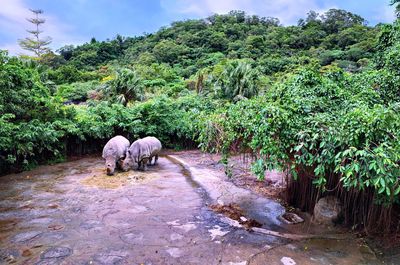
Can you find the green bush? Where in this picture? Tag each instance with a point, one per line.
(76, 92)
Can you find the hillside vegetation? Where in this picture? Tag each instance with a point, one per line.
(319, 100)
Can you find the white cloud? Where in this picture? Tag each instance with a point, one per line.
(12, 48)
(13, 23)
(288, 11)
(386, 14)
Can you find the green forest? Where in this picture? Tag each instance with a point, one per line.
(319, 100)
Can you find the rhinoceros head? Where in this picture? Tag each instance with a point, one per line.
(110, 166)
(128, 162)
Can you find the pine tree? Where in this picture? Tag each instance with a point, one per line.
(36, 44)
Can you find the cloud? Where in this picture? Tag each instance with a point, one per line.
(386, 14)
(288, 11)
(13, 23)
(12, 48)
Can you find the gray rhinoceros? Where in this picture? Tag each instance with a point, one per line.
(142, 152)
(114, 151)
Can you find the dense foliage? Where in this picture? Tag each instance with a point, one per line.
(320, 98)
(189, 46)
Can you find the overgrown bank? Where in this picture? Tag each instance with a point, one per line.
(39, 128)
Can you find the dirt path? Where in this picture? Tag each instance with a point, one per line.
(72, 213)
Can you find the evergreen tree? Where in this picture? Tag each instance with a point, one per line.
(36, 44)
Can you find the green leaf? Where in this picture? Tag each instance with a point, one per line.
(387, 191)
(397, 190)
(382, 182)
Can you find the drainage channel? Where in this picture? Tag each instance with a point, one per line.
(189, 178)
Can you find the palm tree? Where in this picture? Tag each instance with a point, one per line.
(202, 78)
(239, 80)
(126, 86)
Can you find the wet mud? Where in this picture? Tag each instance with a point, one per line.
(72, 213)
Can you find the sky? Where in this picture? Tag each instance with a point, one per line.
(77, 21)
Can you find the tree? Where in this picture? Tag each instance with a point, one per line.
(217, 41)
(312, 18)
(126, 86)
(239, 80)
(66, 51)
(335, 20)
(65, 74)
(168, 51)
(396, 3)
(21, 92)
(36, 44)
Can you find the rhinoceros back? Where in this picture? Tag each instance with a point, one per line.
(149, 147)
(116, 147)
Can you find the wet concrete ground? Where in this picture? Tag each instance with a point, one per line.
(72, 213)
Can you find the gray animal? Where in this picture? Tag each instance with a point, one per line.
(141, 152)
(114, 151)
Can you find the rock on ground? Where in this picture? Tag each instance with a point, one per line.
(327, 210)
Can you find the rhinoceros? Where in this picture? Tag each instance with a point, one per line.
(114, 151)
(141, 152)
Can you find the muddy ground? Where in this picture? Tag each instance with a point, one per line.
(72, 213)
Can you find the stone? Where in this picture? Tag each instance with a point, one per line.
(175, 252)
(90, 224)
(55, 227)
(56, 252)
(187, 227)
(287, 261)
(132, 238)
(26, 236)
(41, 220)
(327, 210)
(51, 237)
(175, 236)
(8, 255)
(109, 257)
(105, 259)
(48, 262)
(291, 218)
